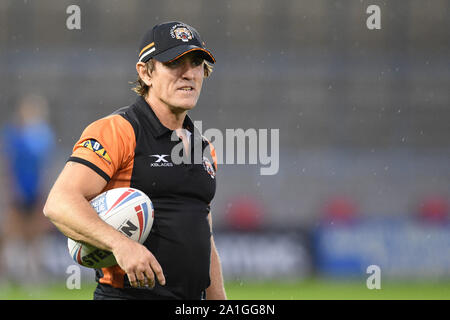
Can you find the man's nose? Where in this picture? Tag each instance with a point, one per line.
(187, 70)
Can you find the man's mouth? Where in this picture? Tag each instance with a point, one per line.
(186, 88)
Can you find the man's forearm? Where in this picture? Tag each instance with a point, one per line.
(216, 291)
(76, 219)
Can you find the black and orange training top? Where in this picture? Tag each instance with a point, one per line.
(131, 148)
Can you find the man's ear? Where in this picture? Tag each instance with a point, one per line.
(142, 71)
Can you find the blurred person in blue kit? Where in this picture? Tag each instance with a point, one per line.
(27, 142)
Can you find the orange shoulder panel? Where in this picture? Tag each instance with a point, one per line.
(108, 143)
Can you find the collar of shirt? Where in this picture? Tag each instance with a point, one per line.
(157, 128)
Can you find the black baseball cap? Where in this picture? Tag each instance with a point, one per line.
(170, 40)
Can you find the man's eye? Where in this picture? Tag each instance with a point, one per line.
(197, 62)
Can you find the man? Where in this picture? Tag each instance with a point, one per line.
(132, 147)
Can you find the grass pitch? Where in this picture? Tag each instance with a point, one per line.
(312, 289)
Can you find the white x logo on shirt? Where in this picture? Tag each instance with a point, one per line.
(160, 157)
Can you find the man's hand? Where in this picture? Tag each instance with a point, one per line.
(139, 264)
(68, 208)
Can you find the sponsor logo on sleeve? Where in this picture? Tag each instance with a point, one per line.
(95, 146)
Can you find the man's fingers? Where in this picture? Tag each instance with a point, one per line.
(142, 269)
(144, 278)
(132, 279)
(140, 278)
(150, 277)
(156, 267)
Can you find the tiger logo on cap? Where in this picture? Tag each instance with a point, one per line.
(181, 33)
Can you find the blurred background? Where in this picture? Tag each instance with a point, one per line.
(363, 117)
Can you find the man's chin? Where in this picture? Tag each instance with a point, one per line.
(182, 107)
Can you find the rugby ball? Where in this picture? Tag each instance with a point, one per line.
(129, 211)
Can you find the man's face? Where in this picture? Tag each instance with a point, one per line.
(178, 83)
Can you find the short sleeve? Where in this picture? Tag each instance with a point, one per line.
(106, 146)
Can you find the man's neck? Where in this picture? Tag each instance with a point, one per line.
(171, 118)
